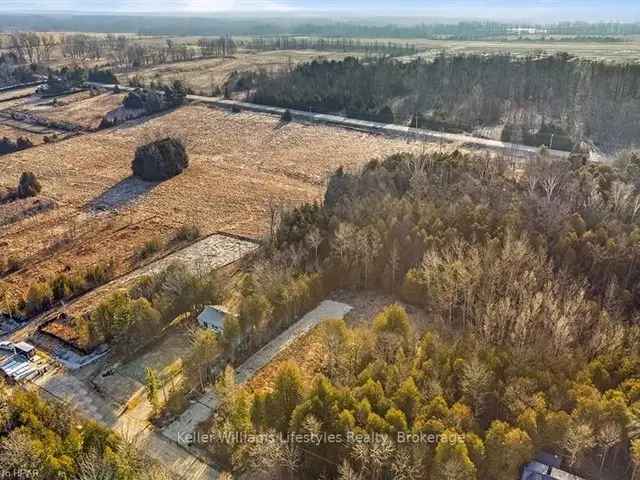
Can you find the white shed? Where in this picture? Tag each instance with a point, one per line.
(213, 316)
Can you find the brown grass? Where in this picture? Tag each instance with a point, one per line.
(203, 75)
(239, 165)
(80, 108)
(13, 133)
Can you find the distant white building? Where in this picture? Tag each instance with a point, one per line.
(212, 317)
(528, 31)
(25, 349)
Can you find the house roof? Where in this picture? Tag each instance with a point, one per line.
(535, 471)
(558, 474)
(540, 471)
(213, 315)
(24, 347)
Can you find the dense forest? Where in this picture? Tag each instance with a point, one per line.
(43, 439)
(528, 279)
(552, 100)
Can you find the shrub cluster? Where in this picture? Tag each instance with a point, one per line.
(286, 116)
(157, 98)
(9, 146)
(139, 99)
(102, 76)
(149, 248)
(187, 233)
(9, 265)
(42, 295)
(160, 160)
(28, 186)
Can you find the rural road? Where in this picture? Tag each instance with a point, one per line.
(388, 129)
(180, 429)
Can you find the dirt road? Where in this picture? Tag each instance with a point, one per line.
(180, 429)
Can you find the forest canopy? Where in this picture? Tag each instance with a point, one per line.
(528, 280)
(539, 100)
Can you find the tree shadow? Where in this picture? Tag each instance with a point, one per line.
(122, 194)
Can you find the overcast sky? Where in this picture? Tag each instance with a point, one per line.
(534, 10)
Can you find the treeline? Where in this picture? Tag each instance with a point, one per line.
(157, 98)
(407, 224)
(11, 73)
(329, 44)
(588, 100)
(41, 296)
(530, 282)
(121, 51)
(45, 439)
(127, 317)
(133, 54)
(466, 30)
(186, 26)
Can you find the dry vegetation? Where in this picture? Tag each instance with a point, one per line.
(240, 166)
(204, 76)
(85, 108)
(14, 94)
(310, 352)
(13, 133)
(15, 98)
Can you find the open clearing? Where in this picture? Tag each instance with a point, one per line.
(22, 113)
(126, 383)
(85, 109)
(240, 164)
(16, 94)
(204, 76)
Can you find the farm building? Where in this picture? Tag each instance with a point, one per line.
(213, 316)
(25, 349)
(20, 365)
